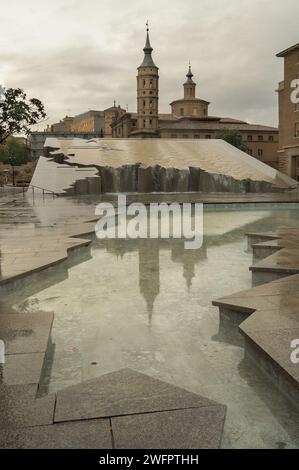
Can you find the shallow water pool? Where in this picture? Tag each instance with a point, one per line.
(146, 304)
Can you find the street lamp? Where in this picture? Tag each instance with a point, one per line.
(12, 163)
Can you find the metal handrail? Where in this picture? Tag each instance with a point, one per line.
(44, 190)
(295, 186)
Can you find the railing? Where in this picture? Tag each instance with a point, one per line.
(44, 190)
(295, 186)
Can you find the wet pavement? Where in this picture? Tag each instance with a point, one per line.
(147, 305)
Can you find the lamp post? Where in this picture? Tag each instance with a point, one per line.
(11, 162)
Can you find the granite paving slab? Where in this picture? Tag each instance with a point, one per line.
(94, 434)
(25, 333)
(19, 408)
(274, 316)
(277, 344)
(121, 393)
(22, 368)
(197, 428)
(273, 319)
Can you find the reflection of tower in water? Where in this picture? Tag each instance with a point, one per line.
(149, 272)
(188, 258)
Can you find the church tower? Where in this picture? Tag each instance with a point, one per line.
(190, 106)
(189, 85)
(147, 94)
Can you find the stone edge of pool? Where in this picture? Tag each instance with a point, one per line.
(267, 314)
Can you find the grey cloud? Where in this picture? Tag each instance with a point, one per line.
(88, 52)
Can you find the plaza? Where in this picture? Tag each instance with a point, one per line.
(78, 313)
(149, 249)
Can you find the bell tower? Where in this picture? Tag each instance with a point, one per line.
(147, 93)
(189, 85)
(190, 106)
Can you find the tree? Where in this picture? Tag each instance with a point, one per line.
(17, 113)
(13, 152)
(233, 137)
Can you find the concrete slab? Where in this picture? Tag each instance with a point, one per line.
(93, 434)
(273, 308)
(121, 393)
(19, 408)
(22, 368)
(199, 428)
(26, 333)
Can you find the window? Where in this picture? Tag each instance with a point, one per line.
(144, 123)
(185, 136)
(271, 138)
(182, 111)
(144, 83)
(151, 103)
(151, 83)
(260, 152)
(249, 151)
(144, 102)
(150, 121)
(207, 136)
(197, 136)
(260, 138)
(296, 129)
(249, 138)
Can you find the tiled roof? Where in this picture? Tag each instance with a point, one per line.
(189, 124)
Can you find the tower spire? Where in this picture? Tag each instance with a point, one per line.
(148, 60)
(189, 74)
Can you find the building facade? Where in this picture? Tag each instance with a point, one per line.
(288, 154)
(111, 114)
(90, 121)
(189, 117)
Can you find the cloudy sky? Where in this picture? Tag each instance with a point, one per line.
(77, 55)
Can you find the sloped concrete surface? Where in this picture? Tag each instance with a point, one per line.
(65, 179)
(153, 165)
